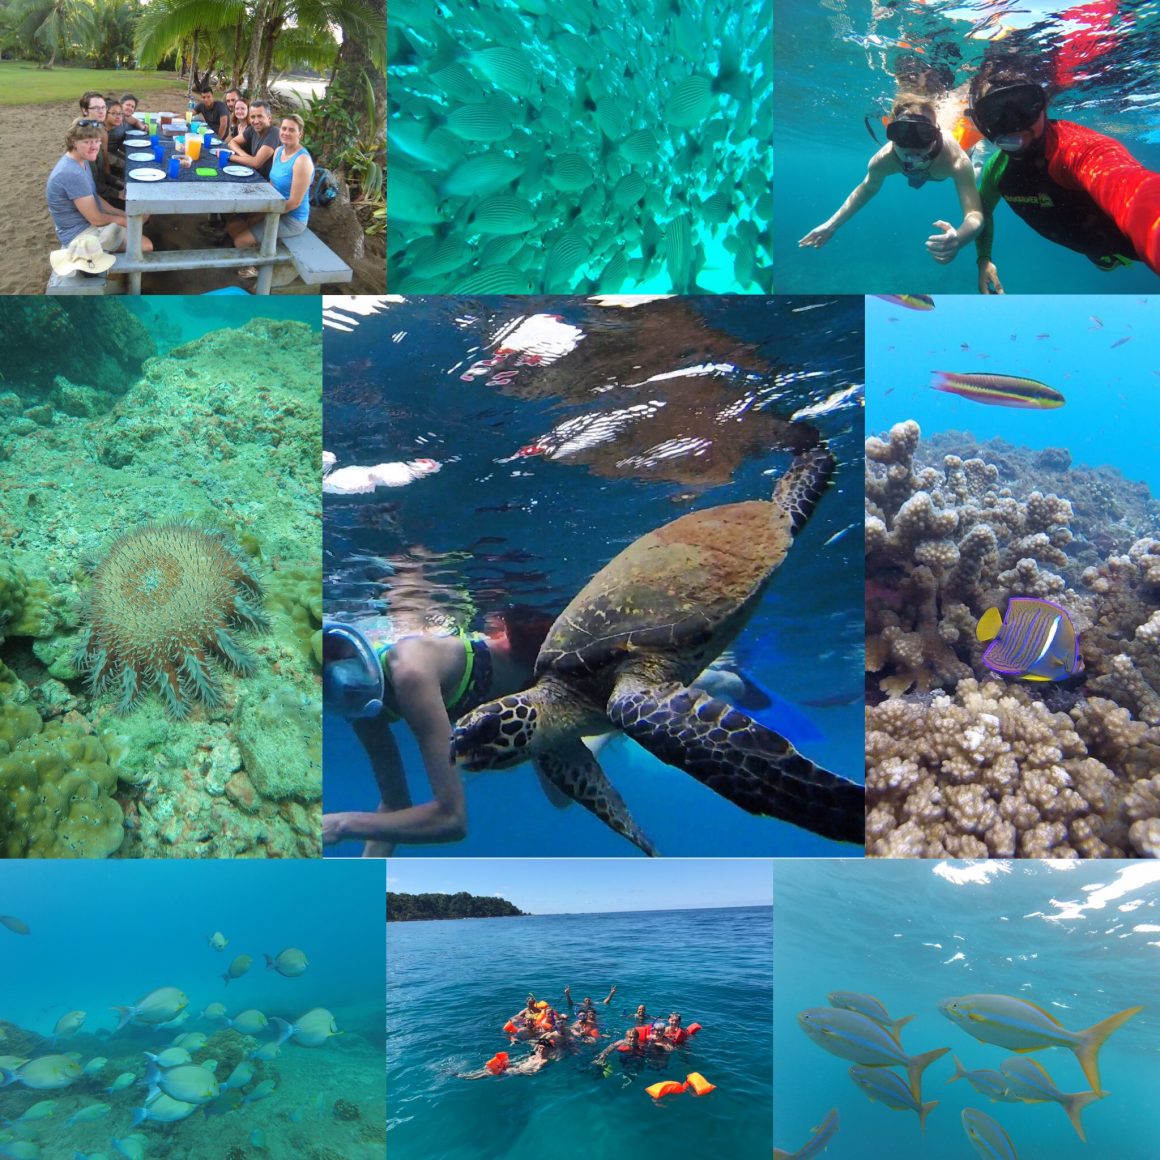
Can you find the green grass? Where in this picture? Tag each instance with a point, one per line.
(22, 83)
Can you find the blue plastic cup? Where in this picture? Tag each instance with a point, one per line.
(174, 167)
(154, 140)
(158, 153)
(223, 158)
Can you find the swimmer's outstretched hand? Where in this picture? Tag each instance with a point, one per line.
(989, 279)
(333, 828)
(818, 237)
(943, 247)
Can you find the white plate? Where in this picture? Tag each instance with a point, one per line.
(238, 170)
(144, 174)
(140, 156)
(136, 133)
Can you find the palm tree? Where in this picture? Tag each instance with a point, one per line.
(56, 25)
(168, 25)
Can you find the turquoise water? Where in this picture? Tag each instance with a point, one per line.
(835, 67)
(451, 986)
(617, 146)
(105, 934)
(177, 319)
(650, 438)
(1097, 352)
(1078, 939)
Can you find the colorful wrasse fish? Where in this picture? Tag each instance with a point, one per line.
(987, 1138)
(1035, 641)
(870, 1007)
(1022, 1026)
(859, 1039)
(818, 1142)
(888, 1087)
(1029, 1081)
(998, 390)
(911, 301)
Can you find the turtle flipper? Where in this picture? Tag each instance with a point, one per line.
(571, 768)
(740, 759)
(797, 492)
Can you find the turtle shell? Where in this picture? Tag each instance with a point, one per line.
(674, 591)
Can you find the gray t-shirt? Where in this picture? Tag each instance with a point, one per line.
(253, 141)
(69, 180)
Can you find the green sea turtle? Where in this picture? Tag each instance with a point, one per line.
(625, 650)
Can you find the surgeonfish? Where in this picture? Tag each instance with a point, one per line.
(266, 1052)
(218, 941)
(156, 1008)
(189, 1083)
(998, 390)
(14, 924)
(48, 1073)
(215, 1012)
(870, 1007)
(986, 1081)
(68, 1025)
(855, 1037)
(888, 1087)
(132, 1147)
(124, 1080)
(191, 1040)
(41, 1110)
(239, 1077)
(163, 1109)
(238, 967)
(291, 962)
(987, 1138)
(20, 1149)
(170, 1057)
(1029, 1081)
(310, 1030)
(264, 1089)
(248, 1022)
(88, 1114)
(818, 1142)
(95, 1064)
(1035, 641)
(1020, 1025)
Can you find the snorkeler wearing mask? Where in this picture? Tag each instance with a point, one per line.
(1071, 185)
(920, 151)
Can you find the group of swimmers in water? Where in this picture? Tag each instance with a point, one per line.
(554, 1035)
(1074, 186)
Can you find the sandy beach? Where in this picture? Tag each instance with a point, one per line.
(34, 134)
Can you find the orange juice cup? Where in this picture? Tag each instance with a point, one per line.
(193, 146)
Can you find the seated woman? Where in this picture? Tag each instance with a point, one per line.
(291, 171)
(71, 192)
(239, 119)
(920, 151)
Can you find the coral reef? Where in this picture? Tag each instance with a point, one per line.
(166, 599)
(959, 761)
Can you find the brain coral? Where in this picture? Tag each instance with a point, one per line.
(165, 600)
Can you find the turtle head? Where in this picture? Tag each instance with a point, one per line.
(497, 735)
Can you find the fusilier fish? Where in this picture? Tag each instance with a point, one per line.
(1020, 1025)
(14, 924)
(986, 1081)
(1029, 1081)
(818, 1142)
(855, 1037)
(870, 1007)
(889, 1088)
(987, 1137)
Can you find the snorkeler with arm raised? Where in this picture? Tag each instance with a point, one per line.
(920, 151)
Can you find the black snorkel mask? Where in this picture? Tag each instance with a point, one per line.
(913, 132)
(352, 673)
(1007, 116)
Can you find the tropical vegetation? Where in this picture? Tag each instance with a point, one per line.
(415, 907)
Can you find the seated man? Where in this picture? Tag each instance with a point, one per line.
(129, 112)
(71, 191)
(256, 143)
(1072, 185)
(214, 113)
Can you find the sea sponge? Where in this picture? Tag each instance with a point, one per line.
(165, 600)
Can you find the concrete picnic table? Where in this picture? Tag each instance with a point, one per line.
(207, 196)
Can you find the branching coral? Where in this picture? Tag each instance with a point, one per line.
(963, 763)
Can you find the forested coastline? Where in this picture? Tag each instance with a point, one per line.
(417, 907)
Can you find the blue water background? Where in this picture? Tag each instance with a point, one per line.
(1082, 940)
(451, 986)
(177, 319)
(831, 74)
(534, 530)
(106, 933)
(1075, 345)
